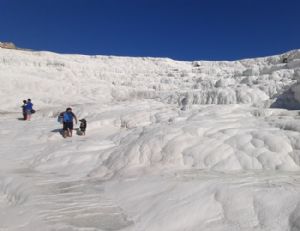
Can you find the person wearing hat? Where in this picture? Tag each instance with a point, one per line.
(69, 116)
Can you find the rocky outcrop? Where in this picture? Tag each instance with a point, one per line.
(7, 45)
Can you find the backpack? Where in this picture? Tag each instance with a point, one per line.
(60, 118)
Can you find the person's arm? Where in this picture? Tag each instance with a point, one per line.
(75, 117)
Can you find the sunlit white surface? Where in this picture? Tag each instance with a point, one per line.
(170, 145)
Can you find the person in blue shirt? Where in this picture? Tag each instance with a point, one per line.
(28, 109)
(68, 118)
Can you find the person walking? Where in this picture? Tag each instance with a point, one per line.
(24, 109)
(28, 109)
(68, 118)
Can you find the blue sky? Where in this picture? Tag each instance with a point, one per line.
(179, 29)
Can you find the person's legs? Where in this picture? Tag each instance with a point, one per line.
(70, 128)
(28, 115)
(65, 130)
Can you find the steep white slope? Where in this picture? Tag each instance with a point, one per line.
(53, 80)
(170, 145)
(168, 136)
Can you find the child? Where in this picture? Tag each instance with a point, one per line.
(82, 126)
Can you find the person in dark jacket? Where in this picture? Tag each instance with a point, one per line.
(24, 109)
